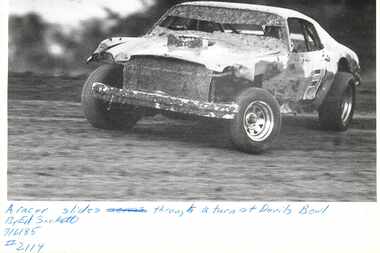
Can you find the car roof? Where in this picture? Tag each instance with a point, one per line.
(286, 13)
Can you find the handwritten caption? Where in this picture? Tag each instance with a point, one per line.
(23, 224)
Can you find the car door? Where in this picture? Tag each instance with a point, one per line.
(307, 58)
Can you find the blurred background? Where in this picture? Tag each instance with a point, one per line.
(54, 37)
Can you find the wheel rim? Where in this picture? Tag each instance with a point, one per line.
(258, 120)
(346, 105)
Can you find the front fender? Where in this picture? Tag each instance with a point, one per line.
(101, 52)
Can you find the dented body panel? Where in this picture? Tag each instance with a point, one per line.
(204, 53)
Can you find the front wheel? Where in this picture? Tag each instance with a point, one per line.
(103, 114)
(258, 122)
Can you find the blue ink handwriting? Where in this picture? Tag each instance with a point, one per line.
(126, 210)
(20, 232)
(162, 209)
(25, 210)
(24, 247)
(80, 210)
(307, 210)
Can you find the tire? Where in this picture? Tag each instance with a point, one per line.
(101, 114)
(258, 123)
(337, 110)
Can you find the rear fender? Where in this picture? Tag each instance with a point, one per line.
(341, 79)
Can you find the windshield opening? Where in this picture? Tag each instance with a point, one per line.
(211, 19)
(240, 26)
(185, 24)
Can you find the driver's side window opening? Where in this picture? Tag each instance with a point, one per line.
(312, 39)
(303, 36)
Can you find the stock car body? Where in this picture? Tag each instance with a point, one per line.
(244, 63)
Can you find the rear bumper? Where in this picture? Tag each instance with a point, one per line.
(164, 102)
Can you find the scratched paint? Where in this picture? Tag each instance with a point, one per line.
(286, 82)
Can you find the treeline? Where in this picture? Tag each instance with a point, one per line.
(38, 46)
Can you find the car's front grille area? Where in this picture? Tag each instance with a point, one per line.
(168, 75)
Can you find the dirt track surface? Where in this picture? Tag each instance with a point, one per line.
(54, 154)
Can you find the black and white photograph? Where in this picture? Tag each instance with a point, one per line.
(158, 100)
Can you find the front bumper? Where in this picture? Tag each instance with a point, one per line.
(164, 102)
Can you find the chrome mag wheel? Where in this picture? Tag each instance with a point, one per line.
(258, 120)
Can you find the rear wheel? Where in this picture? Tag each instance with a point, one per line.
(258, 122)
(337, 110)
(102, 114)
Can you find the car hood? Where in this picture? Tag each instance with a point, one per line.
(216, 54)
